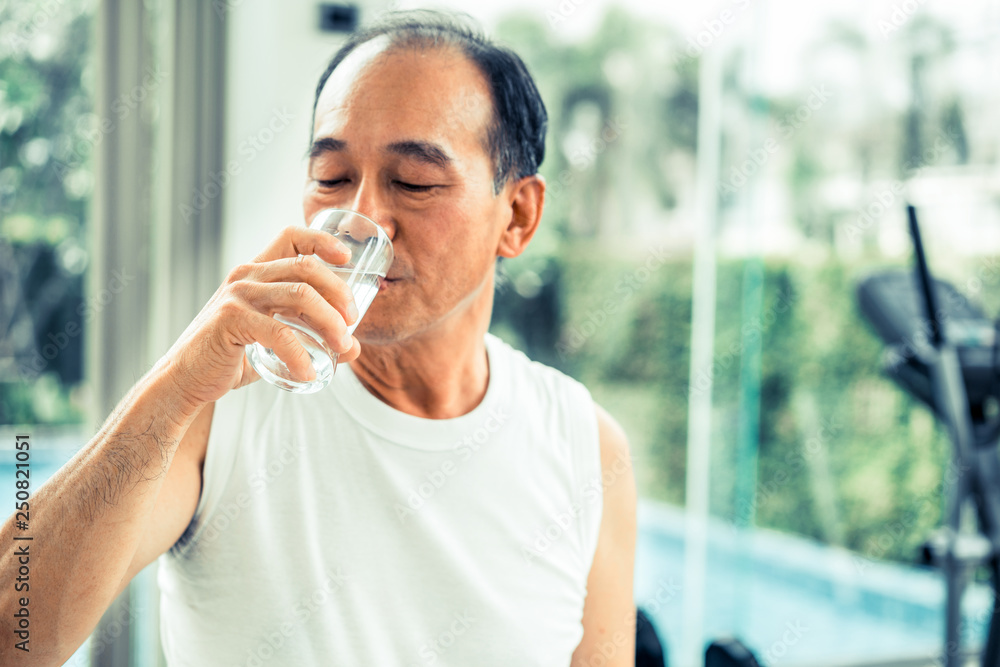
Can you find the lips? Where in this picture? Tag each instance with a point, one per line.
(398, 275)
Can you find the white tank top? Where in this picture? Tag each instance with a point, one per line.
(333, 529)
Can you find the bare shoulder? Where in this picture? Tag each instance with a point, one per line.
(617, 478)
(609, 610)
(615, 452)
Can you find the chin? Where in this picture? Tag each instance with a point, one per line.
(374, 332)
(385, 330)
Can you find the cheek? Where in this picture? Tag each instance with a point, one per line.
(311, 203)
(454, 242)
(446, 231)
(451, 266)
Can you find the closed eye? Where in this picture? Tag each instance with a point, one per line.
(413, 187)
(331, 183)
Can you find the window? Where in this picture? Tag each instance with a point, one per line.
(823, 477)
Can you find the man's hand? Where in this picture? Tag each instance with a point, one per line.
(208, 359)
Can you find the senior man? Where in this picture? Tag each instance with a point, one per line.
(444, 501)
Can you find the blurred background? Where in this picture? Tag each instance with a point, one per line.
(720, 176)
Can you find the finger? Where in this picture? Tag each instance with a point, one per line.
(296, 240)
(307, 269)
(300, 301)
(352, 354)
(282, 339)
(249, 375)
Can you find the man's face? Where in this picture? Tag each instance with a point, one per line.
(399, 136)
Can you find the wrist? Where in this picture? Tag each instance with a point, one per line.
(163, 385)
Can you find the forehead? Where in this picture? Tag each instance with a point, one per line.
(382, 93)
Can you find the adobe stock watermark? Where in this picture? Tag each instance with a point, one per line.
(82, 145)
(583, 157)
(986, 274)
(562, 12)
(502, 281)
(298, 614)
(222, 7)
(109, 633)
(605, 651)
(712, 29)
(258, 481)
(625, 288)
(794, 630)
(828, 429)
(894, 532)
(667, 590)
(900, 15)
(437, 478)
(468, 111)
(432, 650)
(31, 368)
(559, 523)
(19, 41)
(912, 346)
(739, 175)
(970, 625)
(891, 195)
(793, 120)
(248, 149)
(750, 331)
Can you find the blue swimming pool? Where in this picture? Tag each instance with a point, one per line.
(794, 601)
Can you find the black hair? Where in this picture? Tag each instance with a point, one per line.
(515, 137)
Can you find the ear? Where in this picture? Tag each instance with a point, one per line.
(527, 198)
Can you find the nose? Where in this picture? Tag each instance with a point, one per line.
(368, 202)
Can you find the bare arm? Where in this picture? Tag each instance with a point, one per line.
(86, 522)
(178, 497)
(128, 494)
(609, 613)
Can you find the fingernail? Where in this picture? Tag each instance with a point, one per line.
(347, 342)
(352, 312)
(342, 247)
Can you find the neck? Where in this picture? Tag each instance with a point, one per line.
(440, 373)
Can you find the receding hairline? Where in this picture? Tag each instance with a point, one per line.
(392, 47)
(515, 136)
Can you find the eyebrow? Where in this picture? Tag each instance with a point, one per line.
(326, 145)
(421, 151)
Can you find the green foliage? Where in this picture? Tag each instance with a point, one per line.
(602, 95)
(808, 436)
(46, 130)
(828, 418)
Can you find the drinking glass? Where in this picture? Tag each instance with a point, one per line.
(371, 255)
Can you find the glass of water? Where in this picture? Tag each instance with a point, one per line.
(371, 255)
